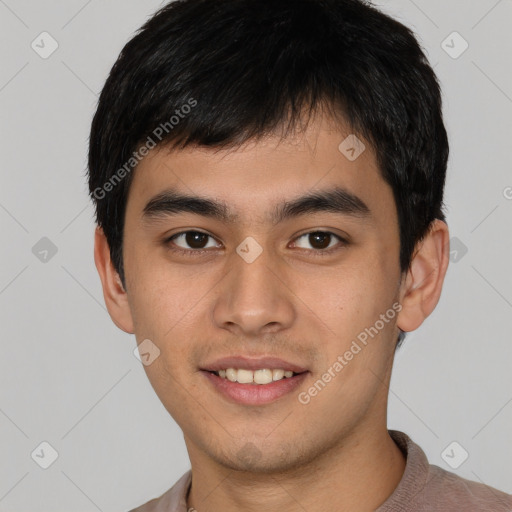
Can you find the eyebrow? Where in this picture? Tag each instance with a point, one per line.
(336, 200)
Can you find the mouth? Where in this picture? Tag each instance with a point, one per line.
(253, 381)
(260, 377)
(253, 393)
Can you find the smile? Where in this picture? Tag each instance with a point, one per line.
(252, 393)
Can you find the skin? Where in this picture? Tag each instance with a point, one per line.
(287, 303)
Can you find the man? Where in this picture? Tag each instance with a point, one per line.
(268, 179)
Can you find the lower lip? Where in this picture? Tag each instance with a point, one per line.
(255, 394)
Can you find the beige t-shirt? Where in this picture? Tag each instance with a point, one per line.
(424, 487)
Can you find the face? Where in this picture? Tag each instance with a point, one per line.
(303, 286)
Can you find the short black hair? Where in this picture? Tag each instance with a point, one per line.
(218, 73)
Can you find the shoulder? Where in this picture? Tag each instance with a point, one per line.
(426, 487)
(447, 491)
(173, 500)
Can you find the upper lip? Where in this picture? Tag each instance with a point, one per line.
(254, 364)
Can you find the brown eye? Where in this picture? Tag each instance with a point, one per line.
(193, 240)
(320, 242)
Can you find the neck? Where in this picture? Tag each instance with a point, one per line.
(358, 475)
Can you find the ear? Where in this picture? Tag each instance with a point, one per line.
(421, 290)
(114, 294)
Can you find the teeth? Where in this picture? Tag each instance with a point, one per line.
(263, 376)
(245, 376)
(231, 374)
(277, 374)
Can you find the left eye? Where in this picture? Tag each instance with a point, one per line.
(319, 239)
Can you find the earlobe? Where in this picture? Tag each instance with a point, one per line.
(114, 294)
(422, 288)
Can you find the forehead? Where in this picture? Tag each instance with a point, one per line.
(253, 178)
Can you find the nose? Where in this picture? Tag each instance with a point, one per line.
(255, 297)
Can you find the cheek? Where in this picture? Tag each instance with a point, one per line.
(349, 306)
(345, 296)
(159, 295)
(178, 394)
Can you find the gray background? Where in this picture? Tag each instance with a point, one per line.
(69, 376)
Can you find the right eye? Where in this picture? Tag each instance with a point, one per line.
(195, 239)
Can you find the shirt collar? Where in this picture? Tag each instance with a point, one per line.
(413, 480)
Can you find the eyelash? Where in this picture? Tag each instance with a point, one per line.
(199, 252)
